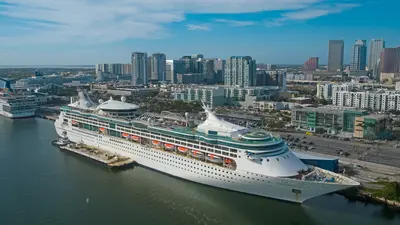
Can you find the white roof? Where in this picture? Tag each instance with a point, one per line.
(223, 128)
(117, 105)
(309, 156)
(84, 102)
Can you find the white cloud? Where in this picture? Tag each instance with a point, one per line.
(198, 27)
(311, 13)
(101, 21)
(235, 23)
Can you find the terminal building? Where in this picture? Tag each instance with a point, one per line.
(371, 127)
(329, 119)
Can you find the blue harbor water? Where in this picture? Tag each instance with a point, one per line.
(41, 185)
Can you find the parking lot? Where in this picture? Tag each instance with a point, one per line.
(382, 153)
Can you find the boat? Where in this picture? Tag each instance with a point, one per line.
(125, 135)
(156, 143)
(182, 149)
(135, 138)
(60, 142)
(17, 105)
(169, 146)
(255, 162)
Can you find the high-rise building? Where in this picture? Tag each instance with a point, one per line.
(209, 71)
(169, 70)
(127, 69)
(139, 68)
(376, 47)
(158, 64)
(115, 68)
(390, 60)
(269, 67)
(102, 67)
(311, 64)
(219, 68)
(335, 55)
(240, 71)
(359, 56)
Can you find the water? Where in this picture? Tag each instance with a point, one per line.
(41, 185)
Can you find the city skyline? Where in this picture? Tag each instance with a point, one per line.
(45, 32)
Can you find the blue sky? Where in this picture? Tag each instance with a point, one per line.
(60, 32)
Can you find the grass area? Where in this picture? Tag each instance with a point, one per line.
(390, 190)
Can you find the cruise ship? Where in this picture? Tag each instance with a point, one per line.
(14, 105)
(215, 152)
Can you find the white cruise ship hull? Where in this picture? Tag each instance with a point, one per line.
(292, 190)
(17, 115)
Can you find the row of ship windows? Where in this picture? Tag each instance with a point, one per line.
(170, 139)
(173, 161)
(121, 144)
(145, 153)
(134, 131)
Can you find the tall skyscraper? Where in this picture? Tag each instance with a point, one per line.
(311, 64)
(169, 71)
(127, 69)
(139, 68)
(209, 71)
(158, 67)
(359, 56)
(335, 55)
(240, 71)
(376, 47)
(102, 67)
(219, 68)
(390, 60)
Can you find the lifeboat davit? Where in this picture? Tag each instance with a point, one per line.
(182, 149)
(135, 138)
(155, 142)
(102, 129)
(214, 158)
(169, 146)
(125, 135)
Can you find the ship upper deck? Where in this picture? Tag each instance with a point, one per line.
(260, 139)
(251, 140)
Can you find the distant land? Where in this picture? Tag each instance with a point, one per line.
(47, 66)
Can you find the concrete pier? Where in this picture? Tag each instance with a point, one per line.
(105, 157)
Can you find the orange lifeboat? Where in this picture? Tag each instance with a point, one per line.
(125, 135)
(135, 138)
(182, 149)
(228, 161)
(74, 122)
(155, 142)
(169, 146)
(102, 129)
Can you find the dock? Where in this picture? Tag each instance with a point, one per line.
(102, 156)
(47, 117)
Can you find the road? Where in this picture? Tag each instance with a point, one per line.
(366, 171)
(385, 154)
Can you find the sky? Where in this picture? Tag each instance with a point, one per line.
(82, 32)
